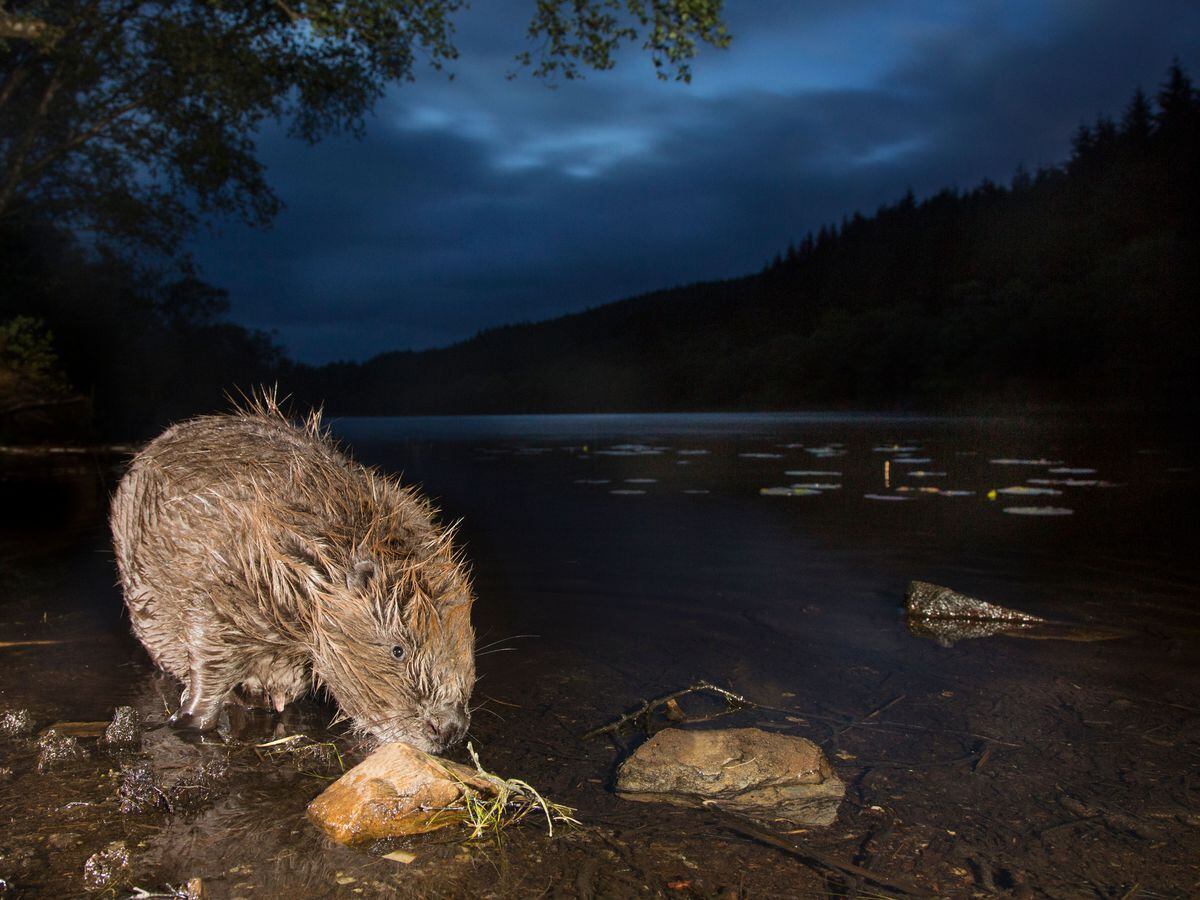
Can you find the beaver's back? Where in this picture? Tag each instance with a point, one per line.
(200, 510)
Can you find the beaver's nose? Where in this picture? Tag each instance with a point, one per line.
(447, 724)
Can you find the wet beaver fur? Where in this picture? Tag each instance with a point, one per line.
(257, 560)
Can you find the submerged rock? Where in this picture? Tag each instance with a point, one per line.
(198, 787)
(124, 732)
(56, 749)
(932, 601)
(107, 868)
(762, 774)
(397, 790)
(16, 723)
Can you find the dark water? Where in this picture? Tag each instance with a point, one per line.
(625, 557)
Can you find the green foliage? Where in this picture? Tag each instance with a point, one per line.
(133, 119)
(591, 32)
(29, 366)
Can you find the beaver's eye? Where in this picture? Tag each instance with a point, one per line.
(398, 652)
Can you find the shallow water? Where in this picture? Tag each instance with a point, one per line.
(642, 556)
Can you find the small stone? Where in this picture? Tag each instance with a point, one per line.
(107, 868)
(194, 889)
(400, 856)
(57, 749)
(16, 723)
(139, 791)
(397, 790)
(760, 773)
(124, 732)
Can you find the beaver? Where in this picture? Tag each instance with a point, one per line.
(258, 560)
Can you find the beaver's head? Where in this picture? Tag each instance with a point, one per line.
(393, 644)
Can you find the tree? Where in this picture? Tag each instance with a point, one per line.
(133, 119)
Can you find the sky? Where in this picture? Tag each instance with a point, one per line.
(482, 200)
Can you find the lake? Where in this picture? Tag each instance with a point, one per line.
(621, 558)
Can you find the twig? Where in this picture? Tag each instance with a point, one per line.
(756, 832)
(735, 700)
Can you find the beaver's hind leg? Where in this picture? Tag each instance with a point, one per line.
(214, 666)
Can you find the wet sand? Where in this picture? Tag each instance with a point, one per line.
(997, 765)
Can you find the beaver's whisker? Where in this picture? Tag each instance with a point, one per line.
(482, 708)
(503, 639)
(497, 650)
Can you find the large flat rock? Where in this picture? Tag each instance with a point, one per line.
(759, 773)
(397, 790)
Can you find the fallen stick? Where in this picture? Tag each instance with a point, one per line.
(756, 832)
(735, 701)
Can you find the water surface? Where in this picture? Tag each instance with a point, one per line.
(623, 557)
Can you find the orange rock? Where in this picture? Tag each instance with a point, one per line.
(397, 790)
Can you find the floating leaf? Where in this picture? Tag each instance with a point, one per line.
(1039, 511)
(1026, 462)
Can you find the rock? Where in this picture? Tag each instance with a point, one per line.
(931, 601)
(139, 790)
(16, 723)
(124, 732)
(107, 868)
(762, 774)
(397, 790)
(57, 749)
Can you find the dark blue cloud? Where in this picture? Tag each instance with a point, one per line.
(480, 201)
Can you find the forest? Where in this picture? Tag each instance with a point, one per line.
(1071, 287)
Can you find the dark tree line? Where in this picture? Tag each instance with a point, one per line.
(1076, 285)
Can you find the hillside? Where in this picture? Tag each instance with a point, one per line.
(1076, 284)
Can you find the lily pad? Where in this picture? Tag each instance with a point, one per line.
(1039, 511)
(1026, 462)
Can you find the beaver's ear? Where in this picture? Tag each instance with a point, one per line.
(359, 575)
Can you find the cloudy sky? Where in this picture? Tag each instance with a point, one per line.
(481, 200)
